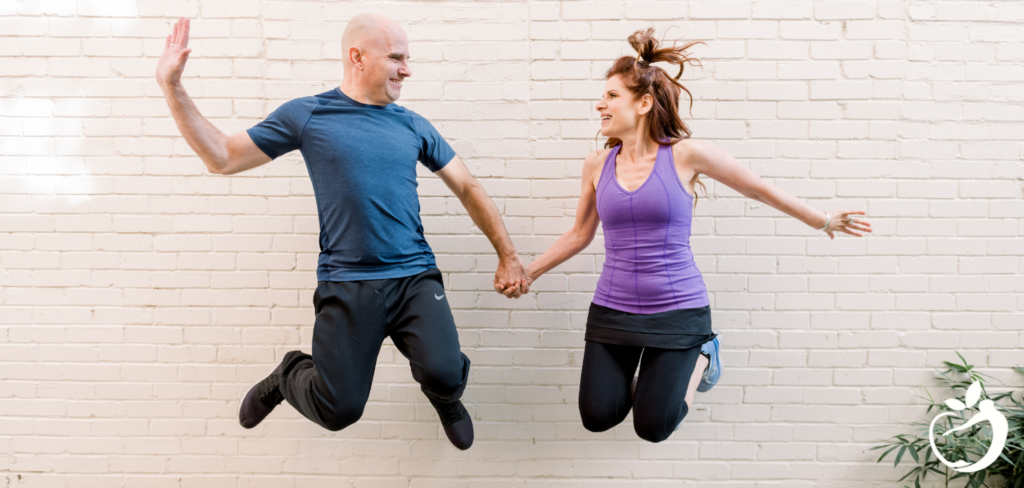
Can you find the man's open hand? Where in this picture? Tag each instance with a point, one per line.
(172, 61)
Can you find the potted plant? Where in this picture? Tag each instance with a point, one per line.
(973, 441)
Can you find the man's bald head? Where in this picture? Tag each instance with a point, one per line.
(375, 52)
(370, 31)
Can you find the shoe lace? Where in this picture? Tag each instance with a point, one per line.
(449, 412)
(268, 391)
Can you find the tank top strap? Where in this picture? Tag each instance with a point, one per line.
(663, 164)
(609, 168)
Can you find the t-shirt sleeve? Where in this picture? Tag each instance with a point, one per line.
(281, 132)
(435, 152)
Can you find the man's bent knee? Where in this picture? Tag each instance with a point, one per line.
(341, 416)
(446, 381)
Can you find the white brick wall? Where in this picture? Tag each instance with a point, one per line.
(139, 296)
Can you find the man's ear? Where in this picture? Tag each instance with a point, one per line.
(355, 56)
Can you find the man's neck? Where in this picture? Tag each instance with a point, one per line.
(358, 95)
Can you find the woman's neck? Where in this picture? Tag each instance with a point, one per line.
(637, 146)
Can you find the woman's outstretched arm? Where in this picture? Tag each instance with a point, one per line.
(576, 238)
(708, 159)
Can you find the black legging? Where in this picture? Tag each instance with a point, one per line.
(659, 402)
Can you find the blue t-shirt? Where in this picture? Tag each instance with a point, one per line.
(362, 161)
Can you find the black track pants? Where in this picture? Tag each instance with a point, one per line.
(352, 319)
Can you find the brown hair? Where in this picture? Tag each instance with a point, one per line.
(664, 125)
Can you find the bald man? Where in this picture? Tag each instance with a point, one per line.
(376, 274)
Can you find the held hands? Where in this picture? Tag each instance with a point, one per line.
(176, 51)
(847, 222)
(511, 279)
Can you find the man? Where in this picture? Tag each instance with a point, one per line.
(376, 274)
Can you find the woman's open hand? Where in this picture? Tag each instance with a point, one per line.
(848, 222)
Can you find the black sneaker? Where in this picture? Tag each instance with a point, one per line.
(261, 399)
(457, 423)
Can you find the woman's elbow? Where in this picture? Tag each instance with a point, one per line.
(581, 239)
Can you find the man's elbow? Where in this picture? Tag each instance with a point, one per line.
(218, 167)
(471, 189)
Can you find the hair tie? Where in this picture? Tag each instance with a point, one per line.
(642, 63)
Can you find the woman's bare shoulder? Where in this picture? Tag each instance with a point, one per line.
(593, 165)
(688, 148)
(597, 157)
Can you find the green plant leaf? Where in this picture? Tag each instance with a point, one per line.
(899, 455)
(913, 454)
(893, 448)
(909, 474)
(956, 366)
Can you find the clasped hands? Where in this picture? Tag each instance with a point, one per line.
(511, 279)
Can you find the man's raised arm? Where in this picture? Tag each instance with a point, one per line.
(222, 154)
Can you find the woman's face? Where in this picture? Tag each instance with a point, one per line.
(620, 110)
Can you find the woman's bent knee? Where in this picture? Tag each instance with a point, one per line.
(654, 428)
(595, 421)
(650, 434)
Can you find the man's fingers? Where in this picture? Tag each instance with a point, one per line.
(184, 33)
(177, 32)
(167, 42)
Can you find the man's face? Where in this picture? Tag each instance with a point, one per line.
(386, 64)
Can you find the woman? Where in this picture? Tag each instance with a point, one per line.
(651, 306)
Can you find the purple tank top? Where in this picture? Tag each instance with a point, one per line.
(648, 265)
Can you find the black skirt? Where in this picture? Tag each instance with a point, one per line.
(674, 329)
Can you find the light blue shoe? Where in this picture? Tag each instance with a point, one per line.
(714, 369)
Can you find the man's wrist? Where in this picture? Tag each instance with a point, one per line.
(170, 87)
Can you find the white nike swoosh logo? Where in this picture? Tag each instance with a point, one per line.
(438, 297)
